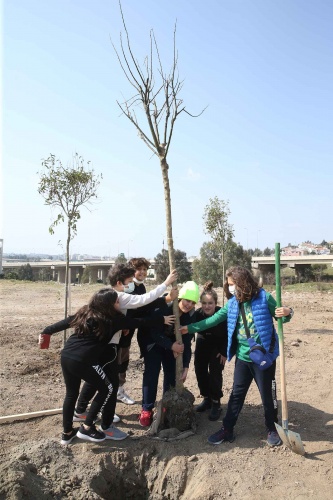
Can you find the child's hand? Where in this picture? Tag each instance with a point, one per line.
(177, 348)
(183, 330)
(282, 311)
(172, 295)
(184, 374)
(171, 278)
(222, 359)
(169, 320)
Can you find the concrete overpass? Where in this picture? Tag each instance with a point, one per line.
(57, 269)
(264, 265)
(261, 266)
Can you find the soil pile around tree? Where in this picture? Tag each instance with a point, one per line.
(35, 466)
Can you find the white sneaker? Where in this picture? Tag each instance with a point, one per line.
(124, 398)
(114, 433)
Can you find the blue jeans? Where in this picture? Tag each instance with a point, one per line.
(243, 375)
(153, 359)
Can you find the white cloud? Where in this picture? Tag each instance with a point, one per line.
(193, 176)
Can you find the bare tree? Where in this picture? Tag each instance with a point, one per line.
(156, 95)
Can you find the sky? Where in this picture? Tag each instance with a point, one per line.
(263, 68)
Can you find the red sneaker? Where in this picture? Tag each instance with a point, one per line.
(146, 418)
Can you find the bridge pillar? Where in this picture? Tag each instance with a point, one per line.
(93, 276)
(302, 271)
(103, 274)
(264, 273)
(61, 274)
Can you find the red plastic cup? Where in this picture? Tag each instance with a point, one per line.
(44, 341)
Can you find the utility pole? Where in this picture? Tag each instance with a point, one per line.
(1, 249)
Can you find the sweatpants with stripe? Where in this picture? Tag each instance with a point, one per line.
(109, 363)
(75, 371)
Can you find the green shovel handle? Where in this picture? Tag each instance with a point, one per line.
(281, 340)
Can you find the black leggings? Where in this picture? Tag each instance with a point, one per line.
(109, 364)
(75, 371)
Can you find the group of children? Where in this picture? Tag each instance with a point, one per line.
(98, 350)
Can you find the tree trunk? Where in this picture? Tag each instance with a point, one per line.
(223, 274)
(67, 284)
(167, 200)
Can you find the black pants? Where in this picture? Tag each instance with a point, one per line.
(109, 364)
(75, 371)
(243, 375)
(208, 369)
(154, 358)
(124, 355)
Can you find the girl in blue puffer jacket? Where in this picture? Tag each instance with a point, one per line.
(260, 308)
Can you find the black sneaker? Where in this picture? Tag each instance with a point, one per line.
(215, 412)
(91, 434)
(221, 435)
(68, 438)
(273, 439)
(205, 404)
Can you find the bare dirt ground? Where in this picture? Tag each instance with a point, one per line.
(35, 466)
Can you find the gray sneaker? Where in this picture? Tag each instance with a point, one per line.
(124, 398)
(114, 433)
(273, 439)
(81, 417)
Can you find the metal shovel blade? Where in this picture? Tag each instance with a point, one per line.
(291, 439)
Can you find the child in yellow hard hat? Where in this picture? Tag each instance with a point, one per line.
(160, 348)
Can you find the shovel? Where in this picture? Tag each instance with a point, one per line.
(289, 438)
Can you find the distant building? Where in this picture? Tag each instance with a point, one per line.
(292, 251)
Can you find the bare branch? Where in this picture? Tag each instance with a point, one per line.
(136, 85)
(155, 123)
(157, 107)
(129, 45)
(194, 116)
(129, 116)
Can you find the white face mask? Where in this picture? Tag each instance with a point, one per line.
(232, 289)
(129, 288)
(138, 282)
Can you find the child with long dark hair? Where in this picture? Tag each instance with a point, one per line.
(94, 325)
(259, 308)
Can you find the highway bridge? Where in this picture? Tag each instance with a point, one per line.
(98, 269)
(264, 265)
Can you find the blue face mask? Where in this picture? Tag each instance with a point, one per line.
(129, 288)
(232, 289)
